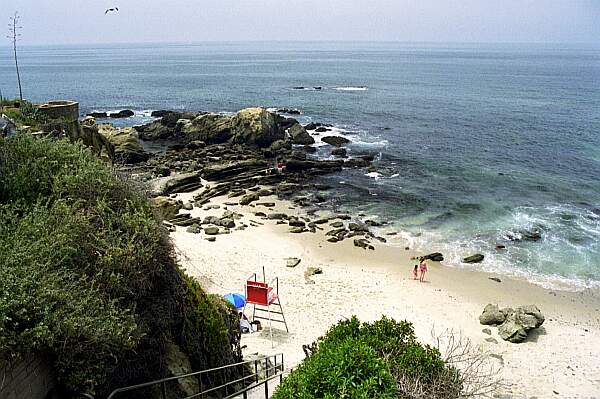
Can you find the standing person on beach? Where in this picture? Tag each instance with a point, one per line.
(422, 269)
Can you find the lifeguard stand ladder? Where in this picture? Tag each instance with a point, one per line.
(262, 296)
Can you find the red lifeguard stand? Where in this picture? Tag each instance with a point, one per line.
(262, 296)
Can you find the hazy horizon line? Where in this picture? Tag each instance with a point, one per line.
(595, 44)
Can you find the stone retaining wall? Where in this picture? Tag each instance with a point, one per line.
(29, 378)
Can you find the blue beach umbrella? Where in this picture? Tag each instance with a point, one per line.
(237, 300)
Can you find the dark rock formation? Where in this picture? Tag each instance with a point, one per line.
(477, 258)
(299, 135)
(336, 141)
(126, 113)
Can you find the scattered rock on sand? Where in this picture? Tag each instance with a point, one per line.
(477, 258)
(496, 279)
(337, 225)
(292, 262)
(211, 231)
(277, 216)
(487, 331)
(211, 239)
(248, 198)
(361, 243)
(194, 229)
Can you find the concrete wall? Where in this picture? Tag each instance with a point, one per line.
(29, 378)
(68, 110)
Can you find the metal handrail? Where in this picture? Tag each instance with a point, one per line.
(277, 368)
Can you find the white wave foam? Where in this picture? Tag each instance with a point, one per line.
(351, 88)
(374, 175)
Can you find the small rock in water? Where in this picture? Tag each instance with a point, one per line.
(337, 225)
(435, 257)
(188, 206)
(477, 258)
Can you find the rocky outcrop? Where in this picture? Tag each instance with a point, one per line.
(299, 135)
(209, 128)
(126, 144)
(255, 126)
(513, 325)
(88, 134)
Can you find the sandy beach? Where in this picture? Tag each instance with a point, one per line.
(557, 360)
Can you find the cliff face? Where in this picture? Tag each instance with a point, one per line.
(90, 278)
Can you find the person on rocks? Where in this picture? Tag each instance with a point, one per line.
(280, 166)
(422, 269)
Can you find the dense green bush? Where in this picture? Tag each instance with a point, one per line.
(88, 273)
(370, 360)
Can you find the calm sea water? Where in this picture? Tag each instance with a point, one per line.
(475, 143)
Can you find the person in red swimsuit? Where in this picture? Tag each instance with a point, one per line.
(422, 269)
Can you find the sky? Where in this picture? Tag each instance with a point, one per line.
(143, 21)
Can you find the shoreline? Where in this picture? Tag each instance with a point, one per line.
(559, 356)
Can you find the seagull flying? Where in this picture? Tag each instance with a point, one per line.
(111, 10)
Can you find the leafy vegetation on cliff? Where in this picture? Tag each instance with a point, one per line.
(88, 274)
(371, 360)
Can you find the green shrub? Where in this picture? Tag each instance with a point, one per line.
(88, 273)
(348, 369)
(334, 370)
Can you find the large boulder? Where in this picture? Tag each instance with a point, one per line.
(255, 126)
(492, 315)
(209, 128)
(511, 330)
(299, 135)
(517, 325)
(126, 144)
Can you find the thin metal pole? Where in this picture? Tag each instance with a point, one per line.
(256, 370)
(267, 379)
(164, 390)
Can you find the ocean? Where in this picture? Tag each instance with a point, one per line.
(476, 144)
